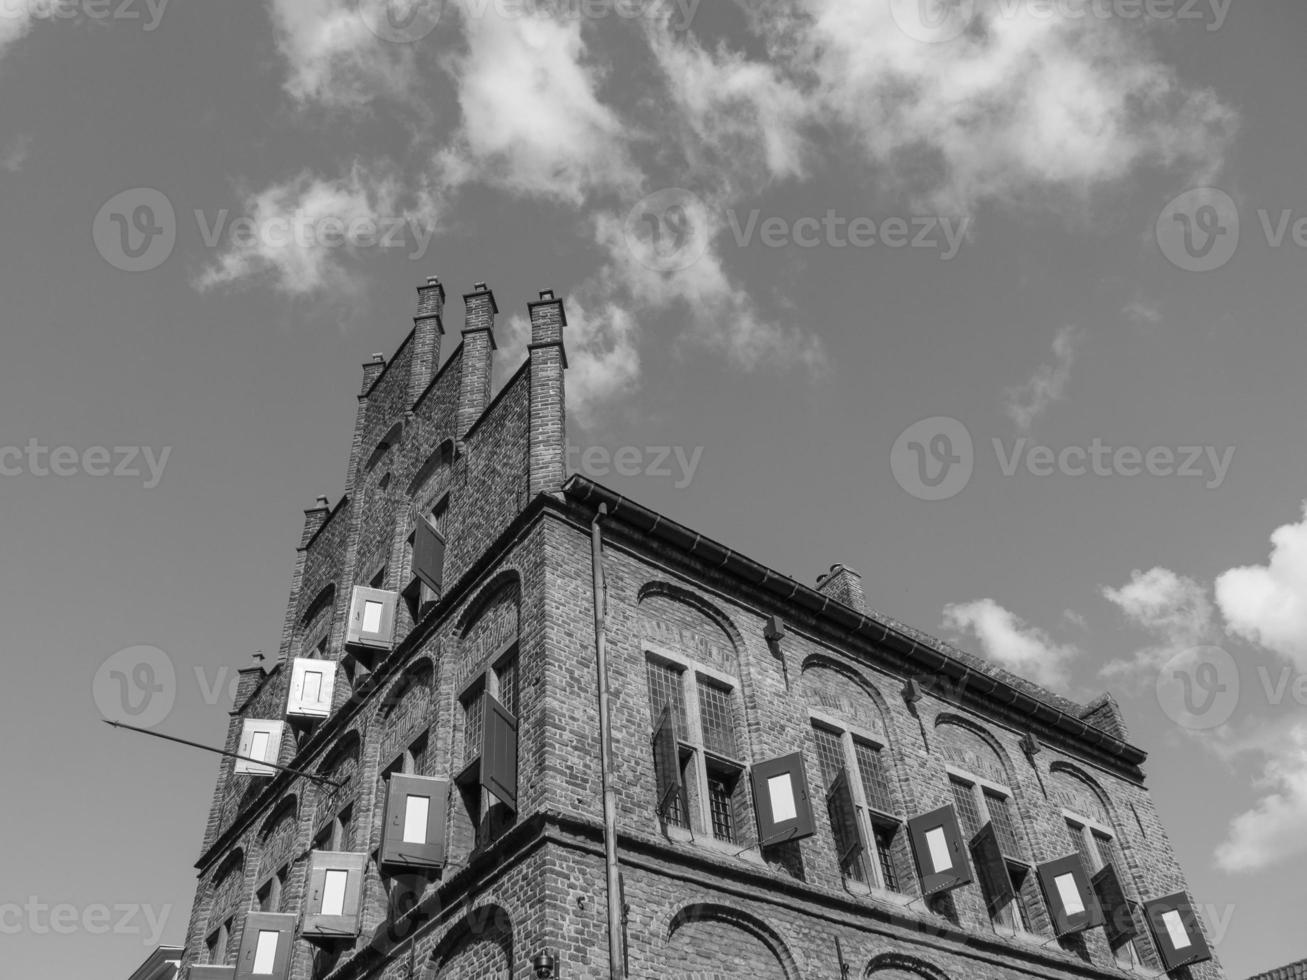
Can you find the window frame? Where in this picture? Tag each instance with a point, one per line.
(1014, 917)
(871, 820)
(700, 765)
(481, 803)
(1087, 828)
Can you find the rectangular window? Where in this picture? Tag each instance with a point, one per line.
(333, 892)
(665, 691)
(507, 676)
(875, 783)
(474, 711)
(1000, 811)
(718, 719)
(719, 804)
(265, 954)
(372, 614)
(964, 797)
(885, 834)
(1078, 840)
(416, 813)
(830, 755)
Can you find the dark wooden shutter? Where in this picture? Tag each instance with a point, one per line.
(316, 921)
(211, 972)
(940, 826)
(1175, 910)
(395, 852)
(428, 555)
(991, 867)
(499, 752)
(667, 762)
(1071, 870)
(843, 819)
(1118, 910)
(278, 924)
(776, 824)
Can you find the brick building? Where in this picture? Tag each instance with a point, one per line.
(1294, 971)
(804, 788)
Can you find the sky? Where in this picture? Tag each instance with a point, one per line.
(996, 301)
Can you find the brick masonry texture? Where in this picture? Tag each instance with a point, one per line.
(517, 576)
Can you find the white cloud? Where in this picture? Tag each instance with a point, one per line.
(721, 315)
(1143, 314)
(1047, 385)
(532, 121)
(299, 231)
(1021, 105)
(15, 21)
(1271, 832)
(1011, 643)
(1267, 604)
(1173, 608)
(15, 153)
(333, 57)
(602, 358)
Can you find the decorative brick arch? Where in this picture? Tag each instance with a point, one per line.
(443, 456)
(708, 941)
(384, 445)
(679, 618)
(407, 707)
(277, 836)
(960, 741)
(322, 607)
(336, 766)
(485, 600)
(226, 888)
(870, 695)
(1065, 779)
(900, 966)
(478, 947)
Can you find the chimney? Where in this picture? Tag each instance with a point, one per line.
(478, 343)
(314, 518)
(371, 371)
(428, 328)
(843, 584)
(548, 405)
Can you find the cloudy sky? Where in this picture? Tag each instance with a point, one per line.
(1000, 305)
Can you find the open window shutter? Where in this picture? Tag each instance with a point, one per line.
(991, 867)
(667, 768)
(780, 793)
(335, 886)
(1118, 910)
(937, 847)
(371, 618)
(1071, 902)
(266, 946)
(499, 752)
(428, 555)
(843, 819)
(312, 685)
(1175, 929)
(416, 807)
(260, 739)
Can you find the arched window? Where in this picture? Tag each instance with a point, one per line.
(692, 671)
(848, 729)
(981, 784)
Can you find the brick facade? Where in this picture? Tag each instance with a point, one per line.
(766, 667)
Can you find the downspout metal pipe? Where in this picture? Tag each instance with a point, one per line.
(616, 970)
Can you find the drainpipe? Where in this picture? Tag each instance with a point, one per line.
(615, 968)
